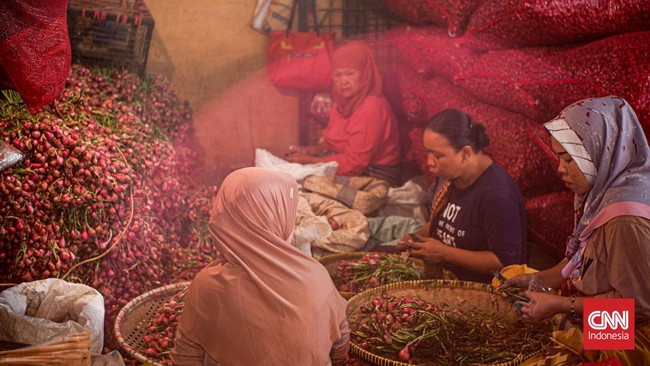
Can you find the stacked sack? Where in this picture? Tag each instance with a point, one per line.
(514, 65)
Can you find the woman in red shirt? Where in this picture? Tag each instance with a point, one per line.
(361, 134)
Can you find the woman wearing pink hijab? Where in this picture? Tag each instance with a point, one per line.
(361, 134)
(263, 302)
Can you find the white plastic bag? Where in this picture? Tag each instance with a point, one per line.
(9, 155)
(271, 15)
(409, 200)
(35, 312)
(265, 159)
(310, 229)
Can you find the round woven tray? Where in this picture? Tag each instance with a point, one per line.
(131, 321)
(8, 346)
(464, 296)
(331, 263)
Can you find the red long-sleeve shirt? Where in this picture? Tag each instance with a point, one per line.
(368, 137)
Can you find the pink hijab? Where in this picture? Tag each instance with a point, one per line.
(264, 302)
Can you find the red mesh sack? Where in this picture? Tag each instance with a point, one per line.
(540, 176)
(34, 49)
(416, 99)
(513, 149)
(430, 51)
(401, 90)
(452, 14)
(612, 361)
(438, 94)
(5, 83)
(540, 82)
(406, 106)
(422, 99)
(515, 23)
(407, 50)
(416, 154)
(550, 220)
(542, 139)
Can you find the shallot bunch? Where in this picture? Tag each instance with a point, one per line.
(104, 195)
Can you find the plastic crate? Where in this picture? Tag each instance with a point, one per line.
(110, 33)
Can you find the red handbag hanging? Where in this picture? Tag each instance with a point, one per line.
(300, 60)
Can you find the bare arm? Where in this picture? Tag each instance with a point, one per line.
(312, 150)
(551, 277)
(311, 154)
(304, 159)
(407, 240)
(545, 305)
(434, 251)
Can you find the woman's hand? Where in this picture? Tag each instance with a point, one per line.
(542, 305)
(520, 281)
(311, 150)
(303, 159)
(428, 249)
(293, 149)
(406, 242)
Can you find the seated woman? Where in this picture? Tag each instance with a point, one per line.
(361, 134)
(478, 220)
(263, 302)
(604, 159)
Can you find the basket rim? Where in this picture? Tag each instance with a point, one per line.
(330, 258)
(339, 256)
(134, 303)
(415, 284)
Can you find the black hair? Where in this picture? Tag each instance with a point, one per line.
(459, 129)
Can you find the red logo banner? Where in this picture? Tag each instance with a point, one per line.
(608, 324)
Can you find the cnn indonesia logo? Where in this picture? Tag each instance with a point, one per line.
(608, 324)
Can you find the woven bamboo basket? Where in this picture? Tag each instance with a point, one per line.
(67, 350)
(9, 346)
(461, 295)
(331, 262)
(131, 321)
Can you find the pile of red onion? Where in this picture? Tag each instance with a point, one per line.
(105, 194)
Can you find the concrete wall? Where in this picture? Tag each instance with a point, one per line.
(216, 61)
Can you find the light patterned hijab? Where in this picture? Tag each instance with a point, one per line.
(263, 302)
(604, 137)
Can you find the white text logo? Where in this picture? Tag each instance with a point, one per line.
(599, 320)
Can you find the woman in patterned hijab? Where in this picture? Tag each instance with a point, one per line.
(613, 157)
(605, 159)
(263, 302)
